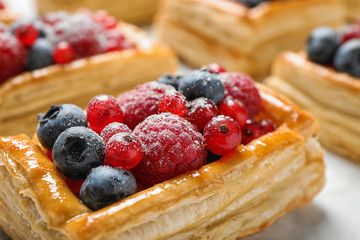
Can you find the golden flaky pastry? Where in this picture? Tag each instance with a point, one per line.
(236, 196)
(25, 95)
(332, 96)
(240, 38)
(134, 11)
(353, 9)
(7, 16)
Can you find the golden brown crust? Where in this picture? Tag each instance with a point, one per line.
(333, 96)
(134, 11)
(240, 38)
(25, 95)
(353, 9)
(234, 197)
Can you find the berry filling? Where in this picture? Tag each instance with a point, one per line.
(337, 49)
(57, 38)
(172, 133)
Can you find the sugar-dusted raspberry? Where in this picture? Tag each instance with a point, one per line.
(171, 147)
(216, 68)
(123, 150)
(107, 21)
(116, 41)
(53, 18)
(235, 109)
(112, 129)
(85, 36)
(142, 102)
(242, 87)
(200, 112)
(173, 102)
(102, 110)
(12, 56)
(3, 28)
(351, 33)
(63, 53)
(2, 5)
(222, 135)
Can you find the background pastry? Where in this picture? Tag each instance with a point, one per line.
(238, 37)
(353, 8)
(6, 16)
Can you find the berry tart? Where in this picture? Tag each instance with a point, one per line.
(6, 16)
(242, 35)
(325, 79)
(147, 165)
(135, 11)
(70, 58)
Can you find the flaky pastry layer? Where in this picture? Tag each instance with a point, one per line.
(134, 11)
(236, 196)
(332, 96)
(353, 9)
(26, 95)
(241, 39)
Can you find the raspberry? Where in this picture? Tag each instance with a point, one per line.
(74, 186)
(200, 112)
(54, 18)
(49, 155)
(12, 56)
(351, 33)
(222, 135)
(242, 88)
(116, 41)
(102, 110)
(112, 129)
(26, 33)
(235, 109)
(103, 18)
(2, 5)
(142, 102)
(216, 68)
(63, 53)
(3, 28)
(123, 150)
(85, 36)
(171, 147)
(173, 102)
(251, 131)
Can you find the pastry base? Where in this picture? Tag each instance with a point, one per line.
(26, 95)
(134, 11)
(353, 9)
(332, 96)
(236, 196)
(241, 39)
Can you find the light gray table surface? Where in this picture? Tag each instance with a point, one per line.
(334, 214)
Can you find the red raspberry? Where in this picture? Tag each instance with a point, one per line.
(12, 56)
(86, 37)
(251, 131)
(49, 155)
(123, 150)
(200, 112)
(233, 108)
(26, 33)
(3, 28)
(74, 186)
(2, 5)
(222, 135)
(173, 102)
(142, 102)
(63, 53)
(103, 18)
(171, 147)
(102, 110)
(351, 33)
(242, 88)
(112, 129)
(116, 41)
(216, 68)
(54, 18)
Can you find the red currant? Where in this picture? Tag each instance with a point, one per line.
(63, 53)
(112, 129)
(200, 112)
(74, 186)
(102, 110)
(235, 109)
(216, 68)
(173, 102)
(222, 135)
(267, 126)
(26, 33)
(123, 150)
(251, 131)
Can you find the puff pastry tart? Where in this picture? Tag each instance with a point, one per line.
(238, 37)
(136, 11)
(235, 196)
(73, 67)
(6, 16)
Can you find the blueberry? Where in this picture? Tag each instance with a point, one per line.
(322, 45)
(172, 80)
(106, 185)
(347, 58)
(77, 150)
(40, 54)
(202, 83)
(252, 3)
(40, 26)
(56, 120)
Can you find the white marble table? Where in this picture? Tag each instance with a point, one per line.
(333, 215)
